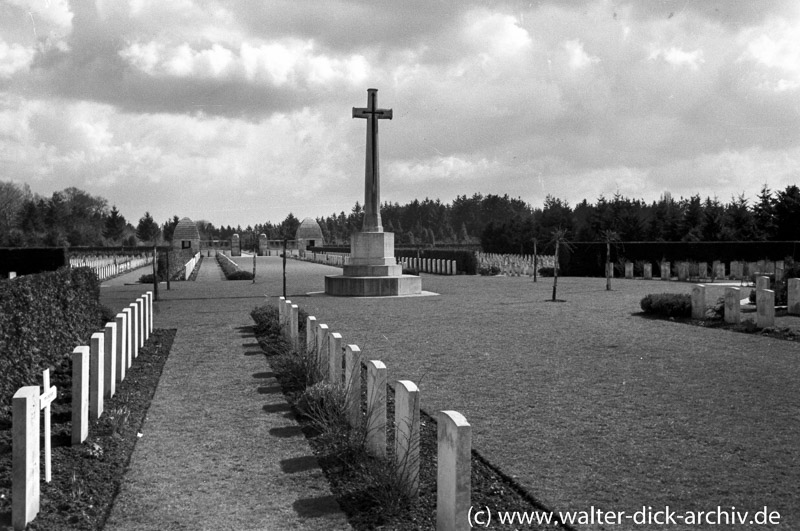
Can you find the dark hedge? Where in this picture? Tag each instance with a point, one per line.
(588, 258)
(31, 260)
(42, 319)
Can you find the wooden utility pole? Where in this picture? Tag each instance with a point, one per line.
(284, 267)
(155, 273)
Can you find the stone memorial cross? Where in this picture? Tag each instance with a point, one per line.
(372, 192)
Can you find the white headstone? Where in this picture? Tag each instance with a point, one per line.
(110, 361)
(765, 308)
(376, 408)
(454, 472)
(648, 271)
(352, 382)
(80, 394)
(97, 374)
(311, 334)
(322, 351)
(335, 358)
(406, 437)
(121, 352)
(732, 302)
(793, 296)
(294, 327)
(25, 468)
(698, 301)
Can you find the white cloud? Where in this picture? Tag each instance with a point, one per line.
(678, 57)
(496, 34)
(776, 48)
(290, 62)
(14, 58)
(55, 13)
(578, 59)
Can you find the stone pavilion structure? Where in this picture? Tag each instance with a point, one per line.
(186, 235)
(373, 270)
(309, 234)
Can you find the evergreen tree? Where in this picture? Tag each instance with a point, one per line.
(114, 225)
(764, 214)
(147, 230)
(787, 214)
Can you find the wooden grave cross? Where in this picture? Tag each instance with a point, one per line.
(45, 399)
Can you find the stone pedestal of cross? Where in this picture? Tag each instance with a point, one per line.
(373, 269)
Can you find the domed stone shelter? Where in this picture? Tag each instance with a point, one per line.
(309, 234)
(186, 235)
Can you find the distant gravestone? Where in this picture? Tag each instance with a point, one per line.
(683, 271)
(698, 301)
(762, 283)
(765, 308)
(719, 271)
(702, 270)
(793, 296)
(648, 271)
(732, 302)
(628, 269)
(665, 270)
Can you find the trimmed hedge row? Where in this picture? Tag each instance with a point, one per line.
(231, 270)
(42, 319)
(31, 260)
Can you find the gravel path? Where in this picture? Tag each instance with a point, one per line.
(220, 448)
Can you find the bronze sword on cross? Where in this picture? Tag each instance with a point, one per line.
(372, 188)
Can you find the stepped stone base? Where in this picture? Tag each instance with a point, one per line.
(372, 270)
(384, 286)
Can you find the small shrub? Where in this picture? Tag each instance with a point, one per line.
(107, 315)
(489, 270)
(668, 304)
(546, 271)
(241, 275)
(717, 311)
(146, 279)
(325, 406)
(410, 271)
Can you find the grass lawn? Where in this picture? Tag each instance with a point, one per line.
(584, 402)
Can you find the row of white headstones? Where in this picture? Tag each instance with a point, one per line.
(685, 270)
(765, 302)
(96, 370)
(454, 433)
(111, 266)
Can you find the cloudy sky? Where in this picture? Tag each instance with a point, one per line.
(239, 111)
